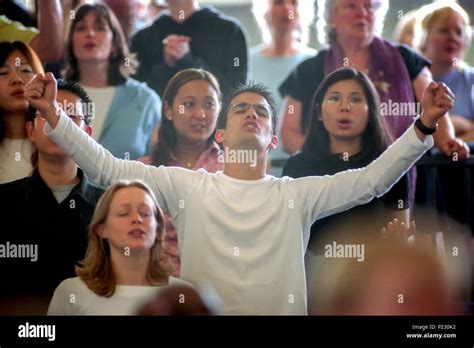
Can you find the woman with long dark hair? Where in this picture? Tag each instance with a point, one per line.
(18, 64)
(97, 56)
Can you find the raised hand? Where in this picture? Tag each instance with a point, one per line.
(41, 94)
(437, 101)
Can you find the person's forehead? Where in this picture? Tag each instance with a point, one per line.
(249, 97)
(346, 86)
(131, 194)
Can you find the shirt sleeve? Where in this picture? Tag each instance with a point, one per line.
(413, 61)
(169, 184)
(327, 195)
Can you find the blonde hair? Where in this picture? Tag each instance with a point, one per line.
(429, 14)
(96, 269)
(261, 8)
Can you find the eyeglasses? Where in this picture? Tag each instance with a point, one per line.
(261, 109)
(75, 118)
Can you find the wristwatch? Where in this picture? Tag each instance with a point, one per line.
(423, 129)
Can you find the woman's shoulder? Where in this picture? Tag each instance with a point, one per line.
(142, 89)
(72, 285)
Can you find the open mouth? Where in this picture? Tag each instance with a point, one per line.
(344, 123)
(198, 126)
(137, 233)
(90, 45)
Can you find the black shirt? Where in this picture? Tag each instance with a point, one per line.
(218, 44)
(31, 215)
(364, 220)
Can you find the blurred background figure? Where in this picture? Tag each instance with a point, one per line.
(130, 14)
(182, 300)
(405, 29)
(97, 56)
(46, 39)
(284, 25)
(427, 276)
(444, 36)
(187, 35)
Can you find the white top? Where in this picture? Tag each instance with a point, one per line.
(73, 297)
(15, 159)
(102, 98)
(246, 238)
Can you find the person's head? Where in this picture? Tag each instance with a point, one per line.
(248, 119)
(350, 19)
(18, 64)
(128, 222)
(95, 36)
(284, 16)
(191, 104)
(444, 33)
(405, 29)
(75, 103)
(345, 107)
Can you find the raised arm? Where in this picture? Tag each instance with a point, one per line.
(49, 42)
(98, 163)
(331, 194)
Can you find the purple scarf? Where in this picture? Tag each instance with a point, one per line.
(388, 72)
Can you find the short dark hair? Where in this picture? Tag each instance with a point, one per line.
(251, 87)
(75, 89)
(376, 136)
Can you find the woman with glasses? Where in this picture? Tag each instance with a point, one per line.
(399, 74)
(444, 37)
(347, 132)
(18, 64)
(126, 111)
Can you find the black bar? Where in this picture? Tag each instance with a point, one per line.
(223, 330)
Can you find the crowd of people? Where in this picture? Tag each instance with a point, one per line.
(144, 168)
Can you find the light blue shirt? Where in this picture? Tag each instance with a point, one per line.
(133, 114)
(461, 83)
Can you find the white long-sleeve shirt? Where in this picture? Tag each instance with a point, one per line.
(246, 238)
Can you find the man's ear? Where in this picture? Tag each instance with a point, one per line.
(220, 135)
(29, 130)
(273, 143)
